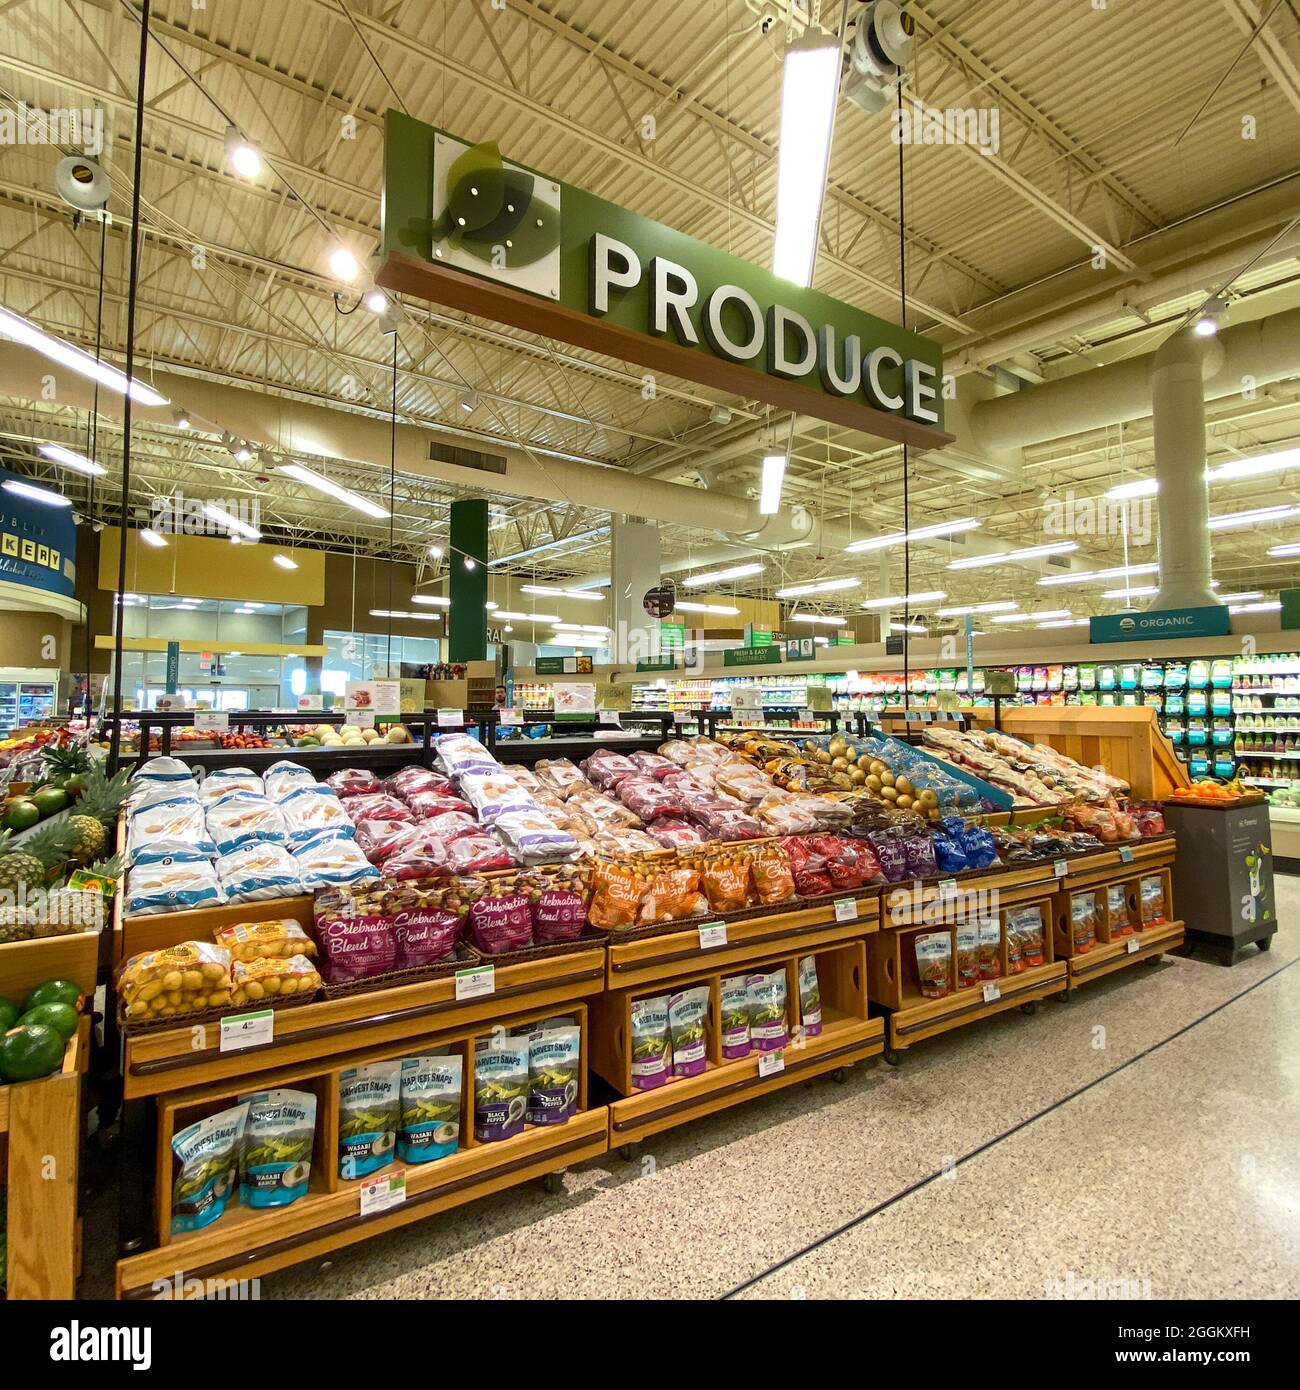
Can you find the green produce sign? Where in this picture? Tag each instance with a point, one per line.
(659, 663)
(752, 656)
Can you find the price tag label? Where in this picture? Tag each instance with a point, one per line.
(1126, 854)
(681, 716)
(509, 716)
(382, 1192)
(247, 1030)
(451, 718)
(992, 993)
(1133, 945)
(713, 934)
(477, 982)
(212, 720)
(1060, 868)
(846, 909)
(360, 718)
(609, 716)
(948, 888)
(769, 1063)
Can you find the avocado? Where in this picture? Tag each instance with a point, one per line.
(63, 1018)
(29, 1051)
(54, 992)
(8, 1014)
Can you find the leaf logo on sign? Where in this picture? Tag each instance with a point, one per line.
(494, 212)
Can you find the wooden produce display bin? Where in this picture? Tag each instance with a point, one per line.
(1113, 948)
(661, 964)
(41, 1129)
(909, 911)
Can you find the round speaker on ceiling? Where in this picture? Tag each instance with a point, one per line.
(82, 182)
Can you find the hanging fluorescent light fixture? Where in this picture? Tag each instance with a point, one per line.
(1240, 598)
(810, 85)
(917, 628)
(69, 459)
(718, 609)
(594, 533)
(822, 586)
(35, 494)
(1272, 606)
(586, 595)
(1029, 617)
(1264, 515)
(284, 562)
(1029, 552)
(1001, 605)
(311, 479)
(232, 523)
(1250, 467)
(1066, 622)
(1143, 487)
(21, 330)
(397, 613)
(150, 537)
(769, 493)
(1096, 576)
(437, 600)
(911, 600)
(917, 533)
(1284, 551)
(697, 581)
(1146, 591)
(504, 616)
(816, 618)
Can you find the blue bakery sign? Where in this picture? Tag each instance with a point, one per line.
(1210, 621)
(38, 544)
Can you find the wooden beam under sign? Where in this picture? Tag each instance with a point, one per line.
(457, 289)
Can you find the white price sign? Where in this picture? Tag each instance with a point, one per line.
(451, 718)
(769, 1063)
(713, 934)
(386, 1190)
(681, 716)
(992, 993)
(1133, 945)
(212, 720)
(509, 716)
(846, 909)
(1126, 854)
(948, 888)
(247, 1030)
(1060, 868)
(609, 716)
(360, 718)
(477, 982)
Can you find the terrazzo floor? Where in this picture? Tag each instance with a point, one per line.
(1146, 1132)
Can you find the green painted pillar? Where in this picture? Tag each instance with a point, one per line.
(467, 624)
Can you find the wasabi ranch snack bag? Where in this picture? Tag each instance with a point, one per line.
(500, 1087)
(207, 1152)
(810, 997)
(767, 1016)
(275, 1150)
(688, 1010)
(552, 1074)
(429, 1126)
(650, 1049)
(735, 1018)
(368, 1113)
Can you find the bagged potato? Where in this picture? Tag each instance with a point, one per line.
(265, 980)
(249, 940)
(180, 979)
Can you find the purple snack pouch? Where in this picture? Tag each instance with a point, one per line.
(919, 852)
(355, 946)
(503, 923)
(688, 1011)
(735, 1019)
(768, 1020)
(425, 936)
(892, 856)
(651, 1053)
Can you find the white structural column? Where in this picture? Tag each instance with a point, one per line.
(1178, 373)
(634, 570)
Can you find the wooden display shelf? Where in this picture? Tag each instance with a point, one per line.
(26, 964)
(243, 1243)
(172, 1059)
(674, 955)
(156, 930)
(920, 1018)
(1149, 944)
(40, 1131)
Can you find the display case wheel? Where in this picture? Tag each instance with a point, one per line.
(1265, 943)
(553, 1183)
(1030, 1006)
(1064, 997)
(840, 1075)
(893, 1056)
(1156, 959)
(630, 1151)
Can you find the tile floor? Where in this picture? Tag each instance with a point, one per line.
(1146, 1132)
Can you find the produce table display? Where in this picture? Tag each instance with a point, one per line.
(348, 1003)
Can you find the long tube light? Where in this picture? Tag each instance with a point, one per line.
(1028, 552)
(1066, 622)
(151, 537)
(917, 628)
(309, 478)
(911, 600)
(1266, 515)
(1146, 591)
(284, 562)
(1240, 598)
(822, 586)
(543, 591)
(1029, 617)
(697, 581)
(397, 613)
(810, 84)
(504, 616)
(1093, 576)
(35, 494)
(1231, 471)
(769, 492)
(23, 331)
(437, 600)
(590, 535)
(1001, 605)
(817, 618)
(69, 459)
(231, 522)
(1272, 606)
(1283, 551)
(917, 533)
(721, 610)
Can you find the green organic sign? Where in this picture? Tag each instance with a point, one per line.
(173, 666)
(752, 656)
(1209, 621)
(672, 635)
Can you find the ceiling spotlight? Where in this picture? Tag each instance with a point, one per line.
(720, 415)
(376, 301)
(469, 562)
(82, 182)
(243, 155)
(435, 552)
(242, 453)
(182, 419)
(469, 401)
(343, 264)
(1207, 324)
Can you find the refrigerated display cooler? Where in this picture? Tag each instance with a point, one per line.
(26, 697)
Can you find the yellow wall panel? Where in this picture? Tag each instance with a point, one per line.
(211, 567)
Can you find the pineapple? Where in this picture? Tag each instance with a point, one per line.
(97, 809)
(66, 762)
(46, 848)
